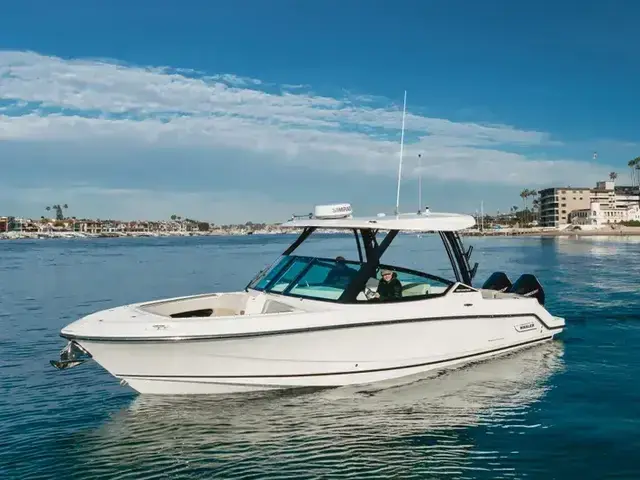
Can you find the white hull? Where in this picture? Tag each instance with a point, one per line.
(207, 385)
(340, 353)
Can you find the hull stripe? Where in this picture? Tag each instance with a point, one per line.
(297, 331)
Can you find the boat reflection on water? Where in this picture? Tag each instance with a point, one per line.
(416, 421)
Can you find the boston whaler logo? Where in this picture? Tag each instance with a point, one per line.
(342, 209)
(524, 327)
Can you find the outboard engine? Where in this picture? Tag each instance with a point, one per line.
(497, 281)
(528, 286)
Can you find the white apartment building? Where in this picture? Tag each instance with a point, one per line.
(615, 203)
(599, 216)
(604, 194)
(627, 196)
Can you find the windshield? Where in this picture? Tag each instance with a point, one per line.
(327, 279)
(308, 277)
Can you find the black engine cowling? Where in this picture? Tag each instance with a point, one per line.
(497, 281)
(528, 286)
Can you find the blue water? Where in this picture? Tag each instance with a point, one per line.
(565, 410)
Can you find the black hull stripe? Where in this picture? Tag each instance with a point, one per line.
(299, 330)
(376, 370)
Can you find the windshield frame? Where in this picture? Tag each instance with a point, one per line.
(275, 273)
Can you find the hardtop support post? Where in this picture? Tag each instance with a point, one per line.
(303, 236)
(452, 259)
(355, 234)
(373, 252)
(458, 258)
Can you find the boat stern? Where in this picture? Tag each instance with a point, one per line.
(554, 324)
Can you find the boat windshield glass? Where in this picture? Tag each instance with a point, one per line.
(327, 279)
(309, 277)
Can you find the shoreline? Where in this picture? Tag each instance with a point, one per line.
(618, 232)
(85, 235)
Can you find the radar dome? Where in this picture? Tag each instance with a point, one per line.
(338, 210)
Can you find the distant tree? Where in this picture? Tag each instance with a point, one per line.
(203, 226)
(613, 176)
(174, 217)
(633, 165)
(536, 207)
(58, 208)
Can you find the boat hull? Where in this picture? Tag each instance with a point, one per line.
(212, 386)
(325, 358)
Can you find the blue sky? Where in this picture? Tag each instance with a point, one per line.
(253, 110)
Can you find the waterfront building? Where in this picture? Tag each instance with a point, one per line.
(604, 194)
(557, 204)
(627, 196)
(598, 215)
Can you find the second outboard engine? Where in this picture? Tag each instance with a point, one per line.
(528, 286)
(497, 281)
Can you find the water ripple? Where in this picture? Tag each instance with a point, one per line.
(560, 402)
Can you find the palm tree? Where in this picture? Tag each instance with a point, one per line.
(536, 206)
(613, 176)
(58, 208)
(632, 164)
(533, 193)
(523, 195)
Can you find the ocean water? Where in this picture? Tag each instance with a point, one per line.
(566, 410)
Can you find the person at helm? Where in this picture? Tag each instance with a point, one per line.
(389, 287)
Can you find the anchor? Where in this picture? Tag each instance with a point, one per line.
(71, 356)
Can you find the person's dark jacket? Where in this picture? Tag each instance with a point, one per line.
(391, 290)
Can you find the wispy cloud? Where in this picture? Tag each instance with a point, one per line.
(135, 141)
(46, 99)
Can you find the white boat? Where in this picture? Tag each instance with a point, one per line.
(315, 322)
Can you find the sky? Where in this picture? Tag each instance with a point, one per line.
(252, 110)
